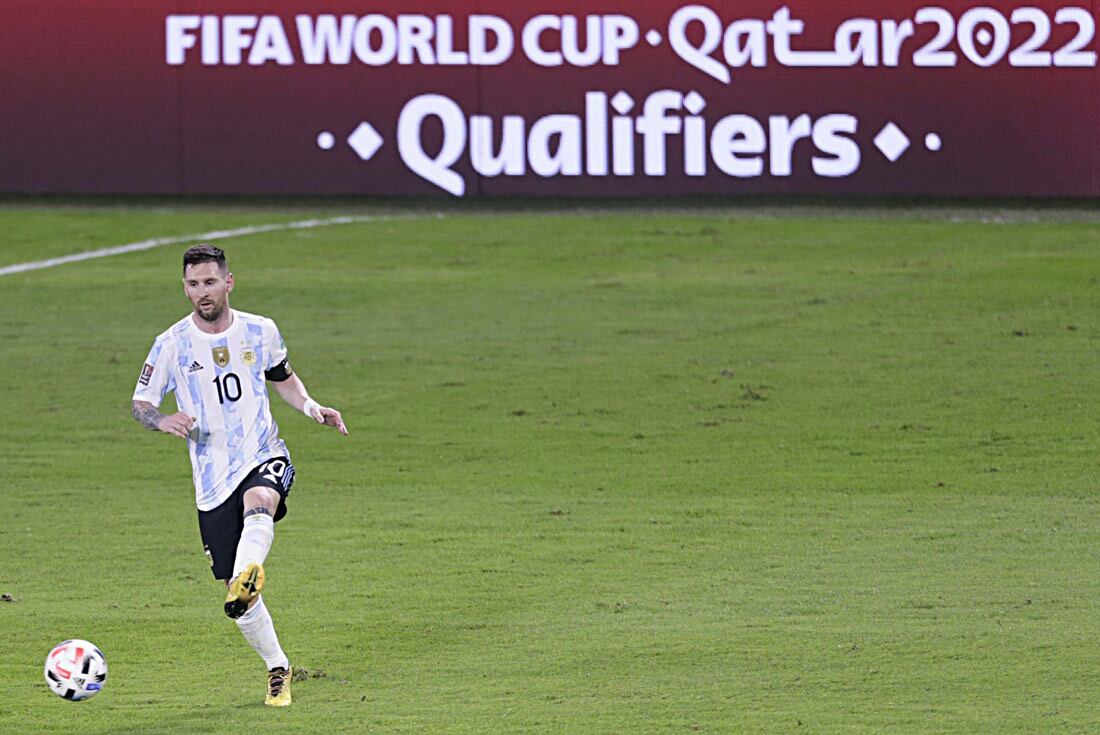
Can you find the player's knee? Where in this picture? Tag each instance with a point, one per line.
(261, 497)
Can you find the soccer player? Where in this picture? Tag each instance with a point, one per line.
(218, 362)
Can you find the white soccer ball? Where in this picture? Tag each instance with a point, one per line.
(76, 669)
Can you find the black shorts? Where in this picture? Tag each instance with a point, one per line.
(221, 527)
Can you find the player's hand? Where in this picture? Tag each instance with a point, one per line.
(330, 417)
(178, 424)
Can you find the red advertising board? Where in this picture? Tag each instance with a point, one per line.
(603, 98)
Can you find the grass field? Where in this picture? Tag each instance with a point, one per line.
(612, 473)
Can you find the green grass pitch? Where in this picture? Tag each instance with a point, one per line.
(614, 472)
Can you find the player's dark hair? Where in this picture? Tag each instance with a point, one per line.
(204, 254)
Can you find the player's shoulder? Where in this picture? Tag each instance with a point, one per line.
(167, 343)
(255, 320)
(174, 332)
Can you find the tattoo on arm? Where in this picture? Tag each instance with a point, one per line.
(147, 415)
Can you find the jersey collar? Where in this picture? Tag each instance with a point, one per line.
(194, 328)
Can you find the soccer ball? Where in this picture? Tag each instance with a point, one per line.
(75, 669)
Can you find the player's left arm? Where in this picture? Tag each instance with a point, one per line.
(292, 390)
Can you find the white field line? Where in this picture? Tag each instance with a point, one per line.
(134, 247)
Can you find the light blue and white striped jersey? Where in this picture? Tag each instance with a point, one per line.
(219, 379)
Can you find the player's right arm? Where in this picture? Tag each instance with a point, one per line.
(178, 424)
(154, 382)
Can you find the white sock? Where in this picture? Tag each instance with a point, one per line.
(256, 538)
(259, 631)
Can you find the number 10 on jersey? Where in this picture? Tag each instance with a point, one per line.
(229, 387)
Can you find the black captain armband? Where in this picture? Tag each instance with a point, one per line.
(280, 372)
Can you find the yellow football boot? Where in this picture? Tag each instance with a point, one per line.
(243, 590)
(278, 687)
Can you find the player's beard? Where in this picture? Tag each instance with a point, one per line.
(213, 315)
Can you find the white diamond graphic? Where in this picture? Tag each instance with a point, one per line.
(892, 142)
(694, 103)
(365, 141)
(622, 102)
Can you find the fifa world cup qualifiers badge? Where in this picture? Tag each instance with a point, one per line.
(146, 374)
